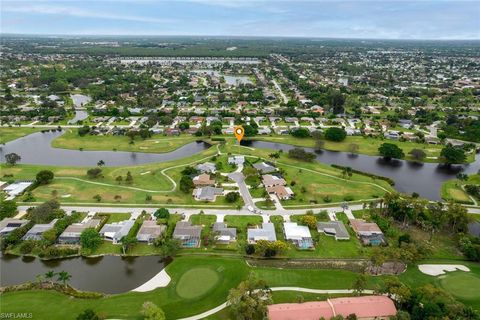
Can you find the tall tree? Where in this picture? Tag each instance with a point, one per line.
(12, 158)
(249, 300)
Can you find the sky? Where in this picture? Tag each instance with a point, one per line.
(378, 19)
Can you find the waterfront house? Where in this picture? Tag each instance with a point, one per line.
(71, 235)
(7, 225)
(36, 232)
(116, 231)
(149, 231)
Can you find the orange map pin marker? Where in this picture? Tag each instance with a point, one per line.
(238, 132)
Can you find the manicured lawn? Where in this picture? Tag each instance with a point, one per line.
(242, 223)
(11, 133)
(315, 182)
(157, 143)
(229, 272)
(197, 282)
(117, 217)
(72, 185)
(452, 189)
(203, 219)
(462, 285)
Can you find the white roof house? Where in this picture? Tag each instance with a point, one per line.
(116, 231)
(15, 189)
(299, 235)
(238, 160)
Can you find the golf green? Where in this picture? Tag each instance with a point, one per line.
(462, 285)
(196, 282)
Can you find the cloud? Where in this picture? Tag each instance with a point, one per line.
(78, 12)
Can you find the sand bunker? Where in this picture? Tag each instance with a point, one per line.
(439, 269)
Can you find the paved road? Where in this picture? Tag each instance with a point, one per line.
(239, 178)
(206, 210)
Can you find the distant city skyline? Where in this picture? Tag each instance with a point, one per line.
(429, 19)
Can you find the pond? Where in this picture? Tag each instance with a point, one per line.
(232, 80)
(426, 179)
(108, 274)
(36, 149)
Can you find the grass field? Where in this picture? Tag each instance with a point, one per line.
(157, 143)
(225, 273)
(230, 271)
(314, 181)
(367, 145)
(11, 133)
(197, 282)
(452, 189)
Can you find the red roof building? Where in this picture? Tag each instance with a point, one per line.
(365, 308)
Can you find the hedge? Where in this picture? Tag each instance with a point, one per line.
(390, 181)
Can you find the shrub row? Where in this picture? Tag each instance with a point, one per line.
(371, 175)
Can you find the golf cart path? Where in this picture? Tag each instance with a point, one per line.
(297, 289)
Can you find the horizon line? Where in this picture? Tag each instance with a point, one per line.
(231, 36)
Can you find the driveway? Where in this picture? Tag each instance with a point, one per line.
(239, 178)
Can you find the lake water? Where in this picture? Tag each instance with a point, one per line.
(108, 274)
(426, 179)
(232, 80)
(36, 149)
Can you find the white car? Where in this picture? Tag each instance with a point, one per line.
(250, 208)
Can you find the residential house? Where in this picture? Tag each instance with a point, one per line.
(203, 180)
(188, 234)
(236, 160)
(334, 228)
(282, 192)
(368, 232)
(149, 231)
(299, 235)
(71, 235)
(269, 180)
(7, 225)
(225, 235)
(207, 193)
(16, 189)
(264, 167)
(266, 232)
(206, 167)
(36, 232)
(365, 308)
(116, 231)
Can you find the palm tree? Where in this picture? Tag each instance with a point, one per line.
(64, 276)
(49, 275)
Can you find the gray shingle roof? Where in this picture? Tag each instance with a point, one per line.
(336, 228)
